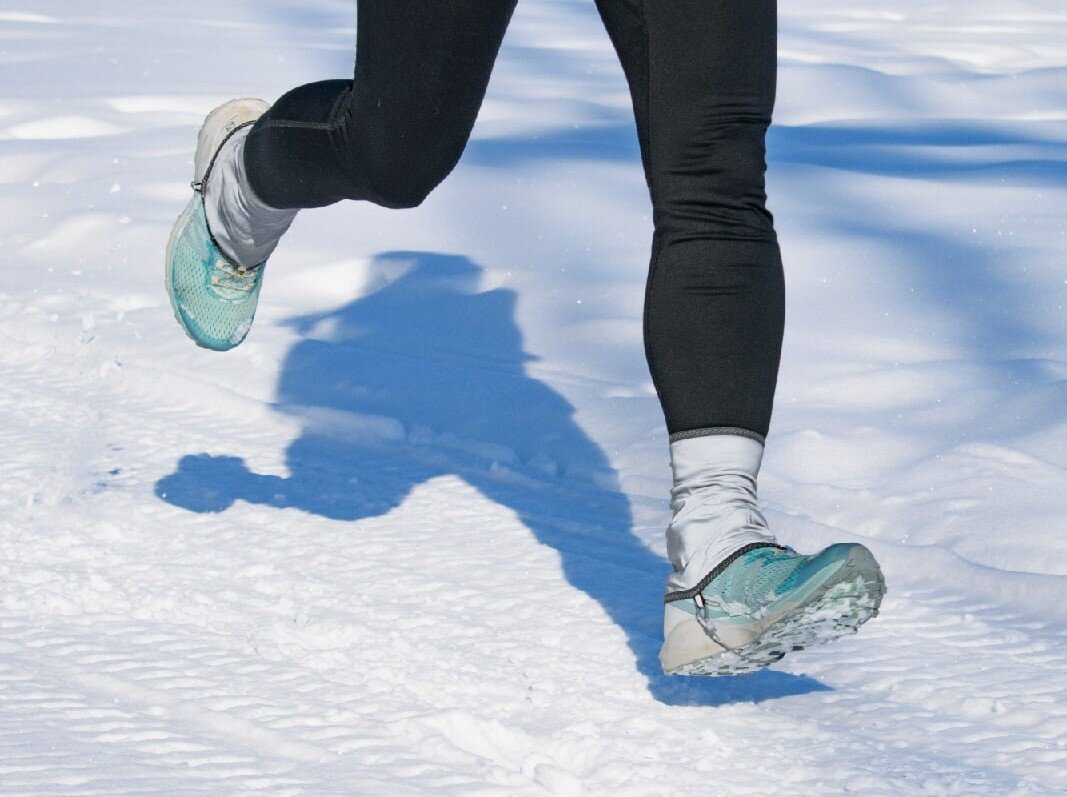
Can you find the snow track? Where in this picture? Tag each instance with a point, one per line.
(363, 556)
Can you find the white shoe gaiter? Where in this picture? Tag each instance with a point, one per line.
(714, 504)
(244, 227)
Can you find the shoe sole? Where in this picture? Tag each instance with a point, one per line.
(209, 140)
(848, 599)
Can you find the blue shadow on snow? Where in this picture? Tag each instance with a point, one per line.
(935, 149)
(444, 359)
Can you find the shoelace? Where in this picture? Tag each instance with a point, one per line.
(233, 277)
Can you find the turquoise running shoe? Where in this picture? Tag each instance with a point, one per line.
(765, 601)
(214, 299)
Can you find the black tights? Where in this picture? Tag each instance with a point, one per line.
(702, 75)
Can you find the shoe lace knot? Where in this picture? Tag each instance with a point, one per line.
(230, 276)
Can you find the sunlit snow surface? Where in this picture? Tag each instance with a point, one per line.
(407, 539)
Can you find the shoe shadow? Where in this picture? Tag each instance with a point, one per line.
(426, 377)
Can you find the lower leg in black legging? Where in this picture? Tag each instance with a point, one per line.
(396, 130)
(702, 74)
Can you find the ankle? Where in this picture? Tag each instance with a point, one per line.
(714, 501)
(246, 229)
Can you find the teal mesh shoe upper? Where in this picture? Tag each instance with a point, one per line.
(754, 579)
(213, 299)
(762, 578)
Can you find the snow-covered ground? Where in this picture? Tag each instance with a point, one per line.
(407, 540)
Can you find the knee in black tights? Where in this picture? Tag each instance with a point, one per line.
(713, 187)
(331, 146)
(402, 171)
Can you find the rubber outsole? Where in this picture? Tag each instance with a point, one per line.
(838, 608)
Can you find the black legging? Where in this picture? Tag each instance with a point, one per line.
(702, 75)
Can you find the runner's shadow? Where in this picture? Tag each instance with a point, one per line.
(424, 377)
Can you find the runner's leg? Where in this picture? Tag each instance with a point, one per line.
(395, 131)
(703, 76)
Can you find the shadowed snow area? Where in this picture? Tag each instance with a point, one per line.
(407, 539)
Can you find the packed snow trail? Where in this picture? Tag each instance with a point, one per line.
(407, 539)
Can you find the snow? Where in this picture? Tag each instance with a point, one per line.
(408, 538)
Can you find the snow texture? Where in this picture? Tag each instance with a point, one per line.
(408, 538)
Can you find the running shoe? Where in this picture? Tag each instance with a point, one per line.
(214, 299)
(765, 601)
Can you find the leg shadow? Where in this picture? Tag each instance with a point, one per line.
(425, 377)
